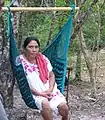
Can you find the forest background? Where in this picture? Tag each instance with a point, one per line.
(86, 56)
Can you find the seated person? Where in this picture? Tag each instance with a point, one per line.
(41, 79)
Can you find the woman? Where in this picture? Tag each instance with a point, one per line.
(41, 80)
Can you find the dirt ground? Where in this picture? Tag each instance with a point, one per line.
(84, 107)
(81, 105)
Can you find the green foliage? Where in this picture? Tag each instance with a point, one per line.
(64, 2)
(91, 27)
(90, 30)
(60, 3)
(7, 2)
(39, 23)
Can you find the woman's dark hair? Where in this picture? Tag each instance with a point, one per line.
(29, 39)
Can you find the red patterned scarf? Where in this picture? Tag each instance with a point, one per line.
(42, 66)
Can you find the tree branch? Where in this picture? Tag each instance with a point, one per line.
(81, 20)
(1, 4)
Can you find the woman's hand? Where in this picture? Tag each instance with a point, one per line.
(47, 95)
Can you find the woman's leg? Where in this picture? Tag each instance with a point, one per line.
(46, 110)
(63, 111)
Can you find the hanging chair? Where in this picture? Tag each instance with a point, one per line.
(57, 53)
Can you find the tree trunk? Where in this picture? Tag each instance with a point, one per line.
(51, 28)
(80, 20)
(7, 80)
(78, 64)
(99, 38)
(52, 24)
(1, 4)
(19, 36)
(6, 76)
(88, 61)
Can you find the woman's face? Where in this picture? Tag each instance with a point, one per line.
(32, 48)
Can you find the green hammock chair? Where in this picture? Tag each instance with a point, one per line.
(57, 53)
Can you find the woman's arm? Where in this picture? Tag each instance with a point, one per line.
(35, 92)
(51, 76)
(51, 81)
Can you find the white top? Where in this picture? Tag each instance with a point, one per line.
(32, 74)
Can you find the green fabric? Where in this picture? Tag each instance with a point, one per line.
(57, 53)
(18, 68)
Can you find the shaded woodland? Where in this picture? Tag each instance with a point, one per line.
(86, 55)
